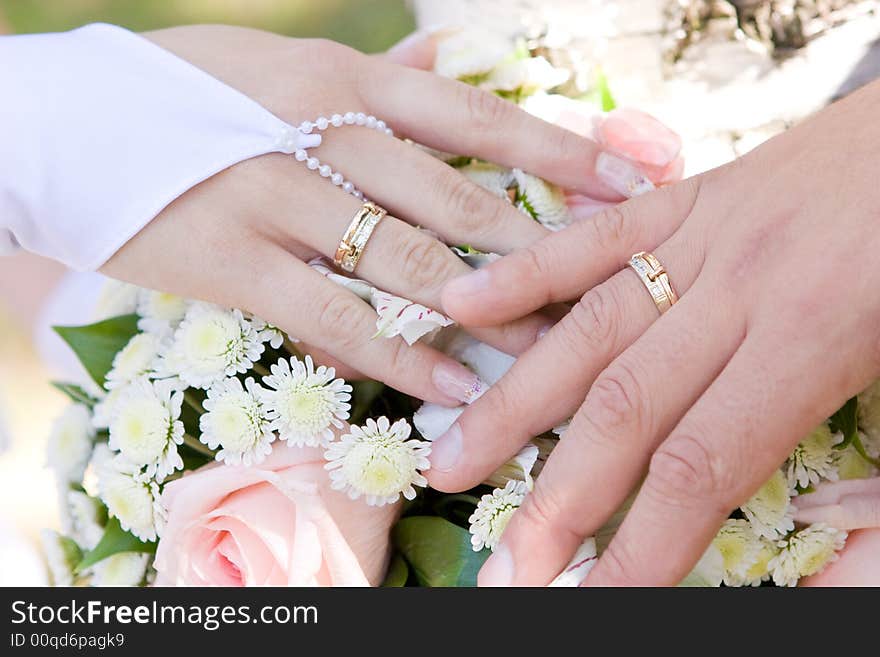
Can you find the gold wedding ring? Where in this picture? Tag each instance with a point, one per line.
(351, 248)
(654, 277)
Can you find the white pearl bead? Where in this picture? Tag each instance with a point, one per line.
(371, 121)
(348, 119)
(305, 127)
(381, 125)
(389, 131)
(347, 187)
(322, 123)
(359, 195)
(313, 163)
(336, 179)
(300, 155)
(360, 118)
(336, 120)
(324, 170)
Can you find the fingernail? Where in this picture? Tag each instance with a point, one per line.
(437, 32)
(470, 284)
(457, 381)
(498, 569)
(408, 42)
(446, 450)
(622, 176)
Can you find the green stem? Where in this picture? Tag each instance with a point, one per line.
(190, 398)
(860, 448)
(291, 347)
(195, 445)
(260, 369)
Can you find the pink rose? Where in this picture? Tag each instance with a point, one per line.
(644, 140)
(635, 135)
(275, 524)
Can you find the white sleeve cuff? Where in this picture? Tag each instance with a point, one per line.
(102, 129)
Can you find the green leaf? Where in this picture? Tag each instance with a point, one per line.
(75, 393)
(439, 552)
(114, 540)
(96, 344)
(846, 420)
(398, 573)
(606, 100)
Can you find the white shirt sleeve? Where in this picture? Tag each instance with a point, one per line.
(100, 129)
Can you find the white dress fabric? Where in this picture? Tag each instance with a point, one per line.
(101, 129)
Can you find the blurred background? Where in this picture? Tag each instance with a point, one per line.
(725, 74)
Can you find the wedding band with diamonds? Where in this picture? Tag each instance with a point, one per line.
(654, 277)
(355, 239)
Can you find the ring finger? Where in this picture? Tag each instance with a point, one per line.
(398, 257)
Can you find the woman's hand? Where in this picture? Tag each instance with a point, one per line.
(241, 237)
(775, 260)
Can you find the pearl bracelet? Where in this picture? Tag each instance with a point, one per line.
(292, 141)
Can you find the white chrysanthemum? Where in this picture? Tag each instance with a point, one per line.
(86, 518)
(470, 53)
(759, 572)
(266, 332)
(542, 201)
(525, 76)
(120, 569)
(132, 498)
(116, 298)
(105, 410)
(806, 553)
(769, 510)
(135, 359)
(814, 458)
(62, 555)
(490, 177)
(160, 312)
(378, 461)
(739, 546)
(399, 316)
(211, 344)
(146, 429)
(236, 422)
(70, 443)
(493, 512)
(305, 403)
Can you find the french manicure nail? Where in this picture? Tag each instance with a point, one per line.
(622, 176)
(457, 381)
(498, 569)
(469, 284)
(446, 450)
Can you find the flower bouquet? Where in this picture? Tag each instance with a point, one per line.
(210, 449)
